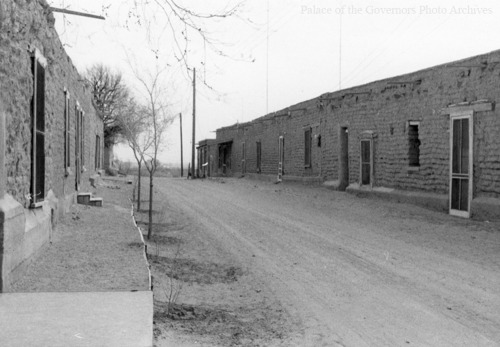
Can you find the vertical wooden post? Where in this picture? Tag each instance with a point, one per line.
(194, 124)
(182, 163)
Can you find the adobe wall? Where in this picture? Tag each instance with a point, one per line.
(385, 108)
(25, 25)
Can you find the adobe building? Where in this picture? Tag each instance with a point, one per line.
(50, 136)
(205, 158)
(429, 137)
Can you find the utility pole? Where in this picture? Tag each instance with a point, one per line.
(194, 124)
(182, 163)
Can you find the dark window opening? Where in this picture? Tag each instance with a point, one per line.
(413, 145)
(307, 147)
(365, 162)
(67, 153)
(37, 189)
(97, 152)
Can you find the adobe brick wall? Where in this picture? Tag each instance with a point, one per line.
(25, 24)
(385, 108)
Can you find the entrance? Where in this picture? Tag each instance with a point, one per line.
(281, 153)
(243, 158)
(461, 141)
(343, 158)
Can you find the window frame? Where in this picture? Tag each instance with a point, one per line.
(97, 159)
(67, 133)
(37, 116)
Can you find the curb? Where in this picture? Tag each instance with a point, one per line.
(144, 244)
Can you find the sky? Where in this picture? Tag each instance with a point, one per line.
(272, 54)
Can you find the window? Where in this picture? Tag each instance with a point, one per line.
(413, 144)
(37, 189)
(67, 153)
(307, 147)
(79, 139)
(366, 162)
(97, 152)
(259, 156)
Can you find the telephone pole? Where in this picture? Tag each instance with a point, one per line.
(182, 163)
(194, 124)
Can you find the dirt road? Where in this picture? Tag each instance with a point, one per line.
(329, 269)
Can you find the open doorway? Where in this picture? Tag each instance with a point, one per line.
(343, 158)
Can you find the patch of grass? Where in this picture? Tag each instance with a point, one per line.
(246, 326)
(190, 271)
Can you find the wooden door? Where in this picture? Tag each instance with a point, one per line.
(461, 164)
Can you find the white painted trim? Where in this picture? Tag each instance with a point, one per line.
(38, 56)
(454, 116)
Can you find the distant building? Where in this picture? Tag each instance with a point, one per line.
(51, 141)
(205, 158)
(429, 137)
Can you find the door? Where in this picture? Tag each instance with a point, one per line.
(461, 164)
(344, 158)
(243, 158)
(281, 160)
(366, 162)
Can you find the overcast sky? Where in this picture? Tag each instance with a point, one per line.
(306, 48)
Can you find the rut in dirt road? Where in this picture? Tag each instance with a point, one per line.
(357, 272)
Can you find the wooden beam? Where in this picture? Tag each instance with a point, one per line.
(76, 13)
(476, 107)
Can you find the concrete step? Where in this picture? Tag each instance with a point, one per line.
(83, 198)
(96, 201)
(87, 199)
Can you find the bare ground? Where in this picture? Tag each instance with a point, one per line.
(91, 249)
(258, 264)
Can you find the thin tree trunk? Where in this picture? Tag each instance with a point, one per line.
(150, 225)
(139, 189)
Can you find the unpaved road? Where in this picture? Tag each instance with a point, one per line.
(340, 270)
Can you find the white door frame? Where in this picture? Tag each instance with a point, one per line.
(454, 116)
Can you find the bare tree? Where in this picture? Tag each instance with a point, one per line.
(189, 27)
(110, 96)
(134, 123)
(157, 119)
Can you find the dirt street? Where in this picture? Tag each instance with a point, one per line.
(263, 264)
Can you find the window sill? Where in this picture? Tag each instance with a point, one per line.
(413, 168)
(36, 205)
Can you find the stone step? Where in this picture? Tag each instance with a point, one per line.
(83, 198)
(87, 199)
(96, 201)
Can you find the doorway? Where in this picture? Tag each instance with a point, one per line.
(281, 160)
(243, 158)
(343, 158)
(461, 141)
